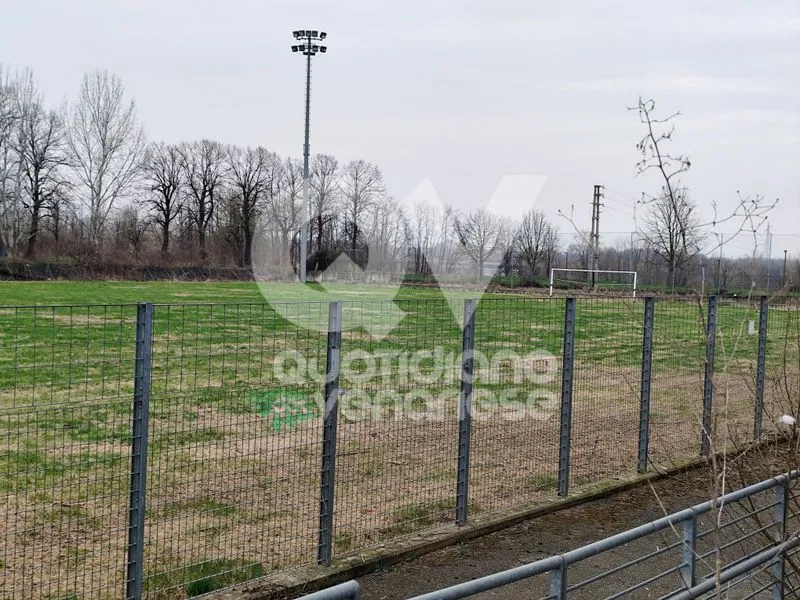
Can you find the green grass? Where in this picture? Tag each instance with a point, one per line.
(83, 353)
(535, 483)
(419, 515)
(34, 469)
(204, 577)
(207, 506)
(43, 293)
(74, 517)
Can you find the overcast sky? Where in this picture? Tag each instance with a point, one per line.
(461, 92)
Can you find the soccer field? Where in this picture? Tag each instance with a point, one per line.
(236, 417)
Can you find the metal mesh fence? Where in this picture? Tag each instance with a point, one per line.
(606, 388)
(65, 388)
(235, 434)
(735, 372)
(677, 380)
(782, 385)
(235, 475)
(515, 426)
(397, 430)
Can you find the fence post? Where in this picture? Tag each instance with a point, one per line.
(708, 385)
(647, 363)
(139, 433)
(689, 551)
(761, 365)
(782, 502)
(465, 411)
(558, 582)
(566, 398)
(330, 419)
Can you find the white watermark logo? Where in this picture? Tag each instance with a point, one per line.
(380, 258)
(423, 385)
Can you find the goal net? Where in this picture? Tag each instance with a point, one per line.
(597, 279)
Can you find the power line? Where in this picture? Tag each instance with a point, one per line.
(620, 202)
(626, 196)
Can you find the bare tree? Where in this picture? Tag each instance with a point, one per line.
(582, 248)
(161, 170)
(325, 188)
(387, 235)
(131, 228)
(249, 172)
(480, 234)
(285, 204)
(203, 168)
(424, 219)
(583, 245)
(671, 232)
(749, 214)
(654, 155)
(40, 150)
(361, 184)
(10, 170)
(58, 212)
(535, 239)
(105, 144)
(448, 252)
(431, 234)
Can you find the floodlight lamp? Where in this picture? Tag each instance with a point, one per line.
(314, 48)
(296, 33)
(322, 35)
(295, 48)
(323, 48)
(314, 33)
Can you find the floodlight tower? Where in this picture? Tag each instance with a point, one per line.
(309, 47)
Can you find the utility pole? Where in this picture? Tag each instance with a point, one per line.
(309, 48)
(595, 235)
(783, 284)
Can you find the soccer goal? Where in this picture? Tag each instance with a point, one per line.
(600, 279)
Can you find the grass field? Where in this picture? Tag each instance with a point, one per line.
(235, 425)
(127, 292)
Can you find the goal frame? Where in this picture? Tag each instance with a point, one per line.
(565, 270)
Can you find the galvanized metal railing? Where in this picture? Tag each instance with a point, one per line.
(763, 540)
(771, 553)
(349, 590)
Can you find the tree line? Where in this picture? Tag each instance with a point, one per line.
(82, 183)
